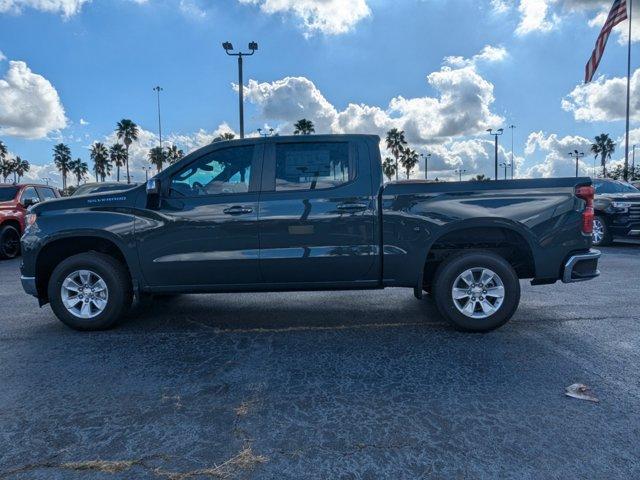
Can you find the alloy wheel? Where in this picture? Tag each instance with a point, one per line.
(84, 294)
(478, 292)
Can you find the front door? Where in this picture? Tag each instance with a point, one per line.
(205, 232)
(317, 213)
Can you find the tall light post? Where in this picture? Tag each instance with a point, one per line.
(496, 134)
(577, 155)
(512, 128)
(228, 47)
(426, 164)
(506, 165)
(265, 134)
(46, 180)
(459, 171)
(158, 89)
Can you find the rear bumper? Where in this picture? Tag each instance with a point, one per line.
(581, 267)
(29, 285)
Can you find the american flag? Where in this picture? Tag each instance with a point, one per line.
(617, 14)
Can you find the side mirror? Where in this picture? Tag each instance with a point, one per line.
(29, 202)
(153, 194)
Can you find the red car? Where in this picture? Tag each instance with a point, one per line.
(14, 201)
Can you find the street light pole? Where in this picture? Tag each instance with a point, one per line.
(512, 127)
(577, 155)
(505, 165)
(496, 134)
(460, 171)
(426, 164)
(228, 47)
(158, 89)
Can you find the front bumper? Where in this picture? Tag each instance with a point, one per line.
(581, 267)
(29, 285)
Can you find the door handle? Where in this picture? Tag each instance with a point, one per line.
(237, 210)
(352, 207)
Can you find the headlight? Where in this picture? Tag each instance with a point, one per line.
(30, 219)
(620, 207)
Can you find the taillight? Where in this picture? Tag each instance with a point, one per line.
(586, 193)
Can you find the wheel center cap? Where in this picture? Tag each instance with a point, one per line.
(476, 290)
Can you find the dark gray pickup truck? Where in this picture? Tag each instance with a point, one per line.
(307, 213)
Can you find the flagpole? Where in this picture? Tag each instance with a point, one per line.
(626, 146)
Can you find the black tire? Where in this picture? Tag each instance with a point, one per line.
(112, 272)
(449, 271)
(606, 235)
(9, 242)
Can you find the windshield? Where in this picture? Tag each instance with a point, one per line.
(8, 193)
(614, 187)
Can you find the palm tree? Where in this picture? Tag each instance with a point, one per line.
(6, 165)
(101, 162)
(409, 159)
(174, 154)
(118, 156)
(304, 127)
(6, 168)
(604, 147)
(481, 178)
(79, 169)
(156, 157)
(224, 136)
(127, 131)
(389, 168)
(20, 167)
(62, 158)
(396, 142)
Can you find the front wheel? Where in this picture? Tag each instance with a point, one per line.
(9, 242)
(90, 291)
(477, 291)
(601, 236)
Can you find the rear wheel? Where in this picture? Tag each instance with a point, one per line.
(477, 291)
(9, 242)
(601, 234)
(90, 291)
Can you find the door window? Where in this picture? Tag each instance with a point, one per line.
(219, 172)
(29, 193)
(313, 166)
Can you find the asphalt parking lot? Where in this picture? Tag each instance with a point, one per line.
(358, 385)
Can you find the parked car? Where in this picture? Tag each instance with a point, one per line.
(307, 213)
(14, 201)
(91, 188)
(617, 209)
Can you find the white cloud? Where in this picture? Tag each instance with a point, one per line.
(462, 107)
(29, 105)
(2, 56)
(604, 100)
(546, 15)
(535, 16)
(66, 8)
(331, 17)
(488, 54)
(557, 162)
(83, 122)
(191, 9)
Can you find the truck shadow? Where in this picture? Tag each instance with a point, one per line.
(277, 311)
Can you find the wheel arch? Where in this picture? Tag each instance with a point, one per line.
(509, 239)
(60, 247)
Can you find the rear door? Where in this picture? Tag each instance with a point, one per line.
(205, 232)
(317, 212)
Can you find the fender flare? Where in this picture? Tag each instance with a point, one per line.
(483, 222)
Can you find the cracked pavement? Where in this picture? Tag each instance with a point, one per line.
(349, 385)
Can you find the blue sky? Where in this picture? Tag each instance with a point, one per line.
(349, 65)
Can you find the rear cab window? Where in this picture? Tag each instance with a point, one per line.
(313, 166)
(8, 193)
